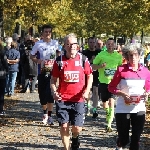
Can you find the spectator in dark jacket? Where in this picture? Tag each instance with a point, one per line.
(23, 46)
(13, 57)
(3, 71)
(30, 70)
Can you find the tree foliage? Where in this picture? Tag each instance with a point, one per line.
(116, 17)
(83, 17)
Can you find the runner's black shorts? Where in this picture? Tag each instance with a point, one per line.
(95, 79)
(105, 94)
(70, 112)
(44, 90)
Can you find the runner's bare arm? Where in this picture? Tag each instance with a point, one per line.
(88, 87)
(89, 82)
(96, 67)
(53, 84)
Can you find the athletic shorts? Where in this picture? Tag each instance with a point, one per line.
(95, 78)
(105, 94)
(44, 89)
(70, 112)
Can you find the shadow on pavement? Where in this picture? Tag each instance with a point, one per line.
(20, 146)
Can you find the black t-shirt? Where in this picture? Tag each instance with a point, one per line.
(89, 54)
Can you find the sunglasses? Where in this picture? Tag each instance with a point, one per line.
(71, 44)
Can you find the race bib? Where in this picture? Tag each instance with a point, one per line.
(135, 100)
(109, 72)
(49, 63)
(71, 76)
(47, 66)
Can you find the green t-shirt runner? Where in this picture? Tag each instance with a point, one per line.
(112, 60)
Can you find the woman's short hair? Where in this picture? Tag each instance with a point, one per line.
(132, 47)
(14, 45)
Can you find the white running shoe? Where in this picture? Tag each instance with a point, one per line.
(45, 118)
(28, 90)
(118, 148)
(99, 104)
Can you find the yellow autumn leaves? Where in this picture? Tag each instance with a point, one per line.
(81, 16)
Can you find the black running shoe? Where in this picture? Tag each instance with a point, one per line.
(75, 143)
(95, 114)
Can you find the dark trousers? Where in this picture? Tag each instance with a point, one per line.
(2, 92)
(30, 82)
(123, 121)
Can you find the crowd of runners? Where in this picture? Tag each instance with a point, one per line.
(68, 75)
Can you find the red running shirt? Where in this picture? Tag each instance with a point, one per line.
(71, 77)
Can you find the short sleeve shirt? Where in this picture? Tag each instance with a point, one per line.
(46, 52)
(13, 54)
(71, 78)
(112, 60)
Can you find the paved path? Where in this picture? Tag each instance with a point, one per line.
(22, 129)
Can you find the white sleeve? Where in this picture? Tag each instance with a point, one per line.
(56, 45)
(34, 49)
